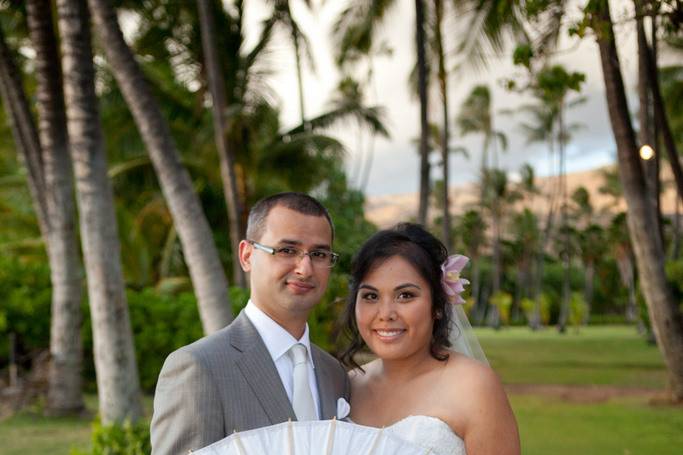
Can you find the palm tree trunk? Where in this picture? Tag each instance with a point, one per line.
(24, 132)
(117, 374)
(645, 120)
(566, 258)
(545, 238)
(65, 395)
(663, 310)
(631, 305)
(476, 280)
(589, 289)
(535, 322)
(299, 75)
(662, 121)
(370, 152)
(497, 264)
(225, 154)
(195, 235)
(675, 250)
(424, 123)
(443, 88)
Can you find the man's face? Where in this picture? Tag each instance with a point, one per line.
(287, 290)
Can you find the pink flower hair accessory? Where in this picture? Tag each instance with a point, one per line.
(451, 281)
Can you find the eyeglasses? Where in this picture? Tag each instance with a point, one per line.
(319, 258)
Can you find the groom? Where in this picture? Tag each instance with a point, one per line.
(261, 369)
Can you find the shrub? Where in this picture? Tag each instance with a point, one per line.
(577, 309)
(324, 322)
(528, 306)
(124, 439)
(502, 301)
(545, 308)
(26, 298)
(674, 273)
(161, 324)
(607, 319)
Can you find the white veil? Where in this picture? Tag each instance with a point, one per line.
(462, 337)
(460, 333)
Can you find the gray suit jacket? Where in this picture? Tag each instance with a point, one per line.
(227, 381)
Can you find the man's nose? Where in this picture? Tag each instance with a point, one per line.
(304, 266)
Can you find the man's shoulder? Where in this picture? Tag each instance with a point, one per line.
(219, 343)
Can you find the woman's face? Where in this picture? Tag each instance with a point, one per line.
(394, 310)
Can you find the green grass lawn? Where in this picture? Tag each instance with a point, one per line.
(614, 356)
(609, 355)
(30, 433)
(624, 426)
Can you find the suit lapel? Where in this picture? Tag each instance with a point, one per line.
(328, 403)
(259, 371)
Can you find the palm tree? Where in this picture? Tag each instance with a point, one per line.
(352, 34)
(476, 117)
(66, 351)
(671, 78)
(24, 131)
(611, 186)
(647, 57)
(526, 236)
(115, 364)
(283, 13)
(498, 195)
(488, 26)
(437, 54)
(355, 32)
(663, 309)
(622, 250)
(593, 247)
(552, 86)
(200, 251)
(445, 134)
(471, 229)
(646, 124)
(225, 152)
(424, 120)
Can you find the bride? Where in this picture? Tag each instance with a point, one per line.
(400, 307)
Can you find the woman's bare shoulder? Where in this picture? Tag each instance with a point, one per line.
(471, 380)
(481, 410)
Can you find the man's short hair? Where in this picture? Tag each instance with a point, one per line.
(299, 202)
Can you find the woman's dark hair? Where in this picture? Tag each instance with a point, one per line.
(426, 253)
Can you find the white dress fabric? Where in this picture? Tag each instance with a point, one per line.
(429, 433)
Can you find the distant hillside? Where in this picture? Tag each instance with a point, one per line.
(388, 210)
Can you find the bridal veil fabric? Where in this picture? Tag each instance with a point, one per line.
(461, 335)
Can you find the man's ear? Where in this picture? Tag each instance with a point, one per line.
(246, 249)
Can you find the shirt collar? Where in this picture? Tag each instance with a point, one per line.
(277, 340)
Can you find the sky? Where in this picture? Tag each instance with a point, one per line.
(395, 160)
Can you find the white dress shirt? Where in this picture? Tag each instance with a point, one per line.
(278, 341)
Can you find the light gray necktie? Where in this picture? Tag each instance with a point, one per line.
(302, 398)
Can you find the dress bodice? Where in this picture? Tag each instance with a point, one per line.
(430, 433)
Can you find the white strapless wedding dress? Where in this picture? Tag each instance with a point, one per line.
(430, 433)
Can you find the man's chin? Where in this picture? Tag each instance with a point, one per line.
(303, 303)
